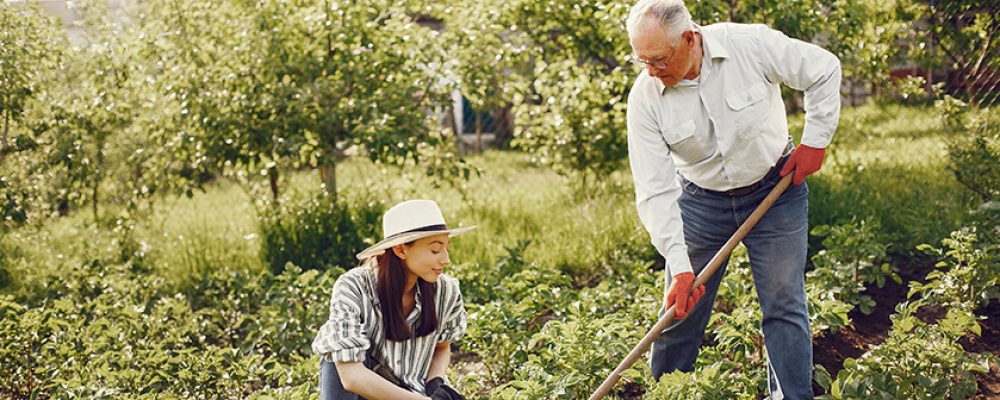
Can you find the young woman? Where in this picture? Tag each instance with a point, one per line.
(392, 319)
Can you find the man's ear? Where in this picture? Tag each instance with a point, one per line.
(688, 36)
(400, 251)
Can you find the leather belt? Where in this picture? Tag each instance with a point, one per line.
(743, 191)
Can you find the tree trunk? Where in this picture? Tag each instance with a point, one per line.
(3, 139)
(272, 177)
(328, 175)
(101, 140)
(93, 202)
(479, 133)
(929, 78)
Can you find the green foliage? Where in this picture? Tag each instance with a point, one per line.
(318, 231)
(954, 35)
(918, 360)
(704, 383)
(29, 45)
(738, 332)
(571, 114)
(913, 90)
(516, 302)
(973, 146)
(888, 163)
(30, 49)
(111, 333)
(560, 358)
(827, 310)
(734, 349)
(922, 359)
(576, 122)
(89, 112)
(853, 256)
(968, 273)
(483, 40)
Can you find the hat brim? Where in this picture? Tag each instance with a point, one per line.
(380, 247)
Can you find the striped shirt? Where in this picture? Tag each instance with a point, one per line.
(355, 328)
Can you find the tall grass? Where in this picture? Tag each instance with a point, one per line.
(187, 238)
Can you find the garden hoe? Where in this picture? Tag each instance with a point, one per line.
(703, 277)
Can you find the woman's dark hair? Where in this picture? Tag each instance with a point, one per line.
(391, 283)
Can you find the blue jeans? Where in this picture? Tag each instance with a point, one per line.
(777, 250)
(330, 386)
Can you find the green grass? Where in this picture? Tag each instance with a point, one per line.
(888, 163)
(186, 238)
(510, 201)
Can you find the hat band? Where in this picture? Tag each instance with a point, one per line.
(428, 228)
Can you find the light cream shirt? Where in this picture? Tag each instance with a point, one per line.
(726, 128)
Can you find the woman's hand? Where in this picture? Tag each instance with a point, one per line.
(438, 390)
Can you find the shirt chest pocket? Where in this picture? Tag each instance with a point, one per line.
(748, 108)
(686, 147)
(677, 133)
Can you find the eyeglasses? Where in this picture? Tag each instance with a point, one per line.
(656, 64)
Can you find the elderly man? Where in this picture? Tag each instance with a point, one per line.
(708, 139)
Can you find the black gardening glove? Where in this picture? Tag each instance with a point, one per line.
(438, 390)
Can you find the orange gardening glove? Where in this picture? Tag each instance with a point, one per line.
(680, 293)
(805, 161)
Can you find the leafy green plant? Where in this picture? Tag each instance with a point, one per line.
(499, 330)
(317, 232)
(704, 383)
(113, 334)
(968, 272)
(561, 360)
(918, 360)
(852, 256)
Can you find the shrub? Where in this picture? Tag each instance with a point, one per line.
(317, 232)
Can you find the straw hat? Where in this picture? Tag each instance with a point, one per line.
(409, 221)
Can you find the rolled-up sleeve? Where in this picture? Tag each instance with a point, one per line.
(811, 69)
(343, 338)
(656, 185)
(454, 317)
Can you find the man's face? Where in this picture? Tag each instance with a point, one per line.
(666, 61)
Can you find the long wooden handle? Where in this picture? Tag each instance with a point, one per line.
(703, 277)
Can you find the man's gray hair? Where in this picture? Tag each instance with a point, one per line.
(672, 15)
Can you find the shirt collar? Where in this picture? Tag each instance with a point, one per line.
(712, 40)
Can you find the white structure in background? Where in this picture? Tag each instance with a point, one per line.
(67, 13)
